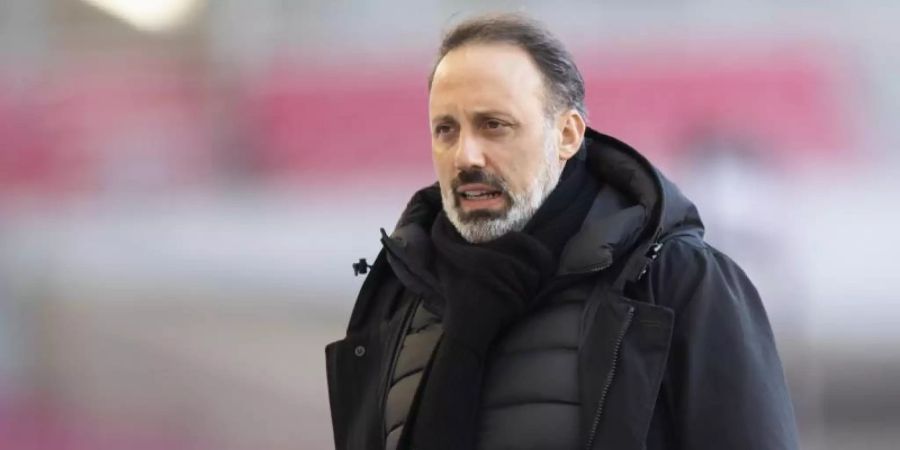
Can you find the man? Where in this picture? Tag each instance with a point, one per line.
(552, 290)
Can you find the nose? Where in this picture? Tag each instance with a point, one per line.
(469, 153)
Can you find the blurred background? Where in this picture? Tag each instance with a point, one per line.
(184, 185)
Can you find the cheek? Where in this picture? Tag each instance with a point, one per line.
(521, 168)
(443, 167)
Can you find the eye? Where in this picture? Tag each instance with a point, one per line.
(493, 124)
(442, 130)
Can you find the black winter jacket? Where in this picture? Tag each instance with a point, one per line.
(674, 348)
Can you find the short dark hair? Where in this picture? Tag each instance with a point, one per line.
(562, 79)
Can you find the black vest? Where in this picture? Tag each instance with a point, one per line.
(530, 396)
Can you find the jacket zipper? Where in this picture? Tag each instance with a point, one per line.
(609, 378)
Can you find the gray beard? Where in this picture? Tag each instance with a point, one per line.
(523, 205)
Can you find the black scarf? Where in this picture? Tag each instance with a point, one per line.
(487, 287)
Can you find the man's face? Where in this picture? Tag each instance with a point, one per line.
(494, 148)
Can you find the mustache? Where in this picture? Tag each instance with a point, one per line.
(478, 176)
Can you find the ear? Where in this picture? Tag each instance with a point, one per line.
(571, 131)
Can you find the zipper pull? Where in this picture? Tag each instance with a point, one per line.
(651, 256)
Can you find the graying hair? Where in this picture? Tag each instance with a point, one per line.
(563, 81)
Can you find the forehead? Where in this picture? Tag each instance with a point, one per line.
(486, 76)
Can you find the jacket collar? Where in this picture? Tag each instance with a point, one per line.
(635, 206)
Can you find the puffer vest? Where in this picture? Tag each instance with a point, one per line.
(419, 342)
(530, 395)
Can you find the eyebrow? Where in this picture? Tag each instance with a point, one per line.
(490, 112)
(443, 118)
(478, 116)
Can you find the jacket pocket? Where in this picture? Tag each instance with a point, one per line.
(623, 361)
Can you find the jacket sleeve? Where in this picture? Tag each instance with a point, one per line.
(724, 386)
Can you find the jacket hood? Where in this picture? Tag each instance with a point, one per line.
(635, 209)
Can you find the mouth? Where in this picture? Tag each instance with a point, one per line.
(480, 196)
